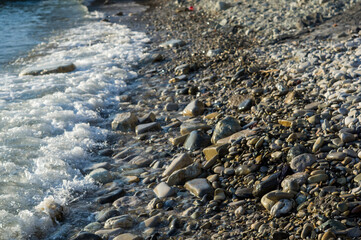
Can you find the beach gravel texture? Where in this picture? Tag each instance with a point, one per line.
(245, 124)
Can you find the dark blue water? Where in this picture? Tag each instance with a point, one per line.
(25, 24)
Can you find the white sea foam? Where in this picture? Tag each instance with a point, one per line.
(49, 124)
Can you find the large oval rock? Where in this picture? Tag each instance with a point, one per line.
(295, 151)
(124, 122)
(162, 190)
(271, 198)
(194, 109)
(100, 175)
(299, 163)
(198, 187)
(124, 221)
(180, 161)
(282, 207)
(225, 128)
(182, 175)
(268, 184)
(197, 140)
(293, 182)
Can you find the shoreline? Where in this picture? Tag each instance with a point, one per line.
(277, 177)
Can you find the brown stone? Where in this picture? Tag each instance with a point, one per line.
(217, 149)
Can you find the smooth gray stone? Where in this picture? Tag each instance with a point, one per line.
(198, 187)
(299, 163)
(269, 184)
(245, 105)
(197, 140)
(147, 127)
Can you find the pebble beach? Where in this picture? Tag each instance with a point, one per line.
(244, 123)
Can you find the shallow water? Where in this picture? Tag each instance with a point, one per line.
(49, 124)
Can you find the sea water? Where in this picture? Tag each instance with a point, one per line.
(50, 124)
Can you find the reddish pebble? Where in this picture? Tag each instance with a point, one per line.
(356, 209)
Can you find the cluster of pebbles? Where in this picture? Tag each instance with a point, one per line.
(275, 20)
(222, 137)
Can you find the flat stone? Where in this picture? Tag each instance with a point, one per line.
(339, 156)
(188, 127)
(111, 197)
(312, 106)
(291, 97)
(185, 174)
(174, 43)
(333, 224)
(357, 179)
(176, 141)
(105, 233)
(128, 236)
(280, 208)
(347, 137)
(307, 231)
(182, 69)
(318, 144)
(225, 128)
(243, 193)
(124, 122)
(140, 161)
(213, 115)
(49, 69)
(239, 211)
(299, 163)
(219, 195)
(329, 235)
(266, 185)
(244, 169)
(245, 105)
(237, 135)
(354, 232)
(293, 182)
(93, 227)
(194, 108)
(198, 187)
(94, 166)
(214, 150)
(277, 195)
(162, 190)
(179, 161)
(285, 123)
(208, 164)
(105, 215)
(129, 201)
(171, 107)
(197, 140)
(295, 151)
(123, 221)
(154, 221)
(100, 175)
(132, 179)
(147, 118)
(147, 127)
(151, 58)
(318, 178)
